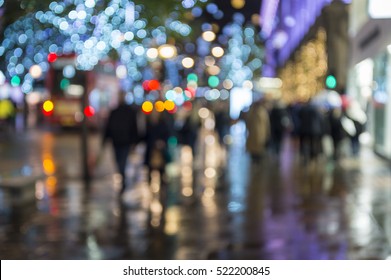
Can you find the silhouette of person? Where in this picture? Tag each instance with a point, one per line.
(121, 128)
(258, 128)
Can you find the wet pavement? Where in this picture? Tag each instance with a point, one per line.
(220, 205)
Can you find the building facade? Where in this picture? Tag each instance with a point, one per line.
(369, 75)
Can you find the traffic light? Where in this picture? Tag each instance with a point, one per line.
(331, 81)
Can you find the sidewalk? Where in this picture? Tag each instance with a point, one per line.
(277, 209)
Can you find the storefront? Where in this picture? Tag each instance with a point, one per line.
(370, 80)
(309, 43)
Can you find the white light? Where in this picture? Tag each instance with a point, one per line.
(81, 15)
(69, 71)
(64, 25)
(248, 84)
(167, 51)
(188, 62)
(101, 45)
(270, 83)
(152, 53)
(35, 71)
(139, 50)
(90, 3)
(75, 90)
(88, 44)
(389, 49)
(208, 36)
(218, 51)
(121, 72)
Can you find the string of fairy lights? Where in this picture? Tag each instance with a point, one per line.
(95, 30)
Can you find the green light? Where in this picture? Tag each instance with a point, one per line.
(213, 81)
(192, 77)
(331, 81)
(172, 141)
(64, 83)
(15, 81)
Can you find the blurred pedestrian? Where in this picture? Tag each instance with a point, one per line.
(122, 129)
(279, 124)
(222, 121)
(337, 131)
(159, 128)
(359, 118)
(312, 124)
(190, 130)
(258, 128)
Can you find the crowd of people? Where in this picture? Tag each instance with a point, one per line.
(309, 123)
(267, 123)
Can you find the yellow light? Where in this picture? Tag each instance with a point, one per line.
(188, 62)
(169, 105)
(238, 4)
(147, 107)
(218, 51)
(208, 36)
(159, 106)
(48, 106)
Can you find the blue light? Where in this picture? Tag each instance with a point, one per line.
(22, 39)
(196, 12)
(212, 8)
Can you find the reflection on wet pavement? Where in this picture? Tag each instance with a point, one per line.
(218, 205)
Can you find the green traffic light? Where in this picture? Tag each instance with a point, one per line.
(64, 84)
(331, 81)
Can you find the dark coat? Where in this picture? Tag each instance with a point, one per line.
(121, 126)
(312, 122)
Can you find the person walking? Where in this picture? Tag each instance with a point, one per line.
(258, 127)
(336, 130)
(312, 124)
(359, 118)
(121, 128)
(159, 128)
(279, 123)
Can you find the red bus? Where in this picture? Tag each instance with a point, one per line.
(68, 86)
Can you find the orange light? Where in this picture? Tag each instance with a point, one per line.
(154, 85)
(48, 166)
(159, 106)
(147, 107)
(48, 107)
(89, 111)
